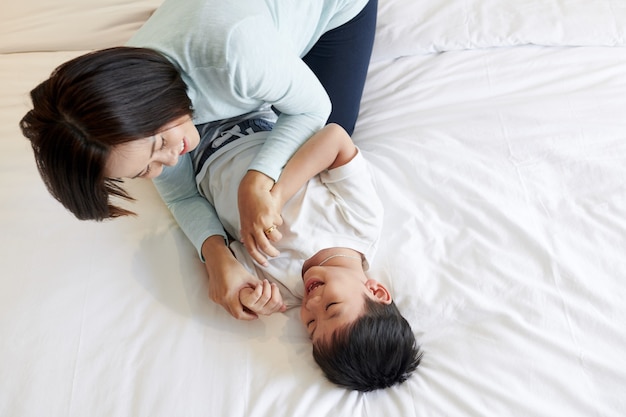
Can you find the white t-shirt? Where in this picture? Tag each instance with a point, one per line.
(337, 208)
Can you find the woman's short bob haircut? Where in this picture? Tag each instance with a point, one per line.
(88, 106)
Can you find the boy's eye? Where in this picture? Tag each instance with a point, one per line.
(309, 323)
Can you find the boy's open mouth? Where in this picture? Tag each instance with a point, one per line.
(313, 284)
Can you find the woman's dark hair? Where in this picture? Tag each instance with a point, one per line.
(376, 351)
(90, 105)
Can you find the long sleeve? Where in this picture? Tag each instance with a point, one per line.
(194, 214)
(262, 67)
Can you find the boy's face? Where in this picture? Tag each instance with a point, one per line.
(334, 297)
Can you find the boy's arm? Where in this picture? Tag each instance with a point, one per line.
(330, 147)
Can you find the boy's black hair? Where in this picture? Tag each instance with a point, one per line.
(376, 351)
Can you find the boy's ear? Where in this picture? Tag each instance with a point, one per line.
(378, 290)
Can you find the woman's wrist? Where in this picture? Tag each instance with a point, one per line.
(215, 252)
(257, 180)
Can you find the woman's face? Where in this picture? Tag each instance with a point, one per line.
(145, 157)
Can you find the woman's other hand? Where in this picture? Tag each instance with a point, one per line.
(227, 277)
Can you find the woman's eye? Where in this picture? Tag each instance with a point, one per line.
(309, 323)
(163, 143)
(330, 304)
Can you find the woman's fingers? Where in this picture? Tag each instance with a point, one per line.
(259, 244)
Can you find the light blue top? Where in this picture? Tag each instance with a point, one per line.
(235, 56)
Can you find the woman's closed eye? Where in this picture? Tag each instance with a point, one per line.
(329, 304)
(146, 172)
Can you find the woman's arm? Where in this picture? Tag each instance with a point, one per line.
(193, 213)
(279, 77)
(198, 220)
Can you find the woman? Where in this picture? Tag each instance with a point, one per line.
(194, 63)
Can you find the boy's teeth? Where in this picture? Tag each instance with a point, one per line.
(313, 286)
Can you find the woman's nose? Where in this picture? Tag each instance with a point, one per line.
(170, 157)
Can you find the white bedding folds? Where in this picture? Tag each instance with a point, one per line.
(498, 138)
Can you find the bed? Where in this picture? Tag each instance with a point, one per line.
(497, 134)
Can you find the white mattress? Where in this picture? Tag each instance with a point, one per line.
(498, 138)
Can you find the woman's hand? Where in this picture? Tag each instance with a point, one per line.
(259, 215)
(227, 277)
(263, 299)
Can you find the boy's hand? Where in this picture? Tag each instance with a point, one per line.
(263, 299)
(259, 216)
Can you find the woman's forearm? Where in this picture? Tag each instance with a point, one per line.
(193, 213)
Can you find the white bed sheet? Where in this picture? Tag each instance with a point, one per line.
(502, 171)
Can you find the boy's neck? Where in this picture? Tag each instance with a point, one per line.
(334, 256)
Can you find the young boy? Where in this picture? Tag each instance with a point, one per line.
(331, 224)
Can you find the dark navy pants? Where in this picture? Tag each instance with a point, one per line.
(340, 60)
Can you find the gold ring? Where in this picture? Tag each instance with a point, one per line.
(270, 230)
